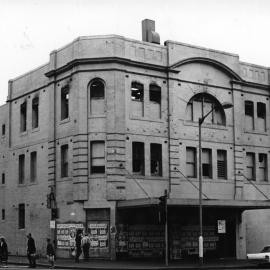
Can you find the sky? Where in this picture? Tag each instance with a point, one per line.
(31, 29)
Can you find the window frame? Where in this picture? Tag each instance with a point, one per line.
(156, 157)
(94, 157)
(64, 151)
(35, 112)
(219, 163)
(21, 216)
(21, 170)
(33, 167)
(193, 163)
(65, 97)
(138, 157)
(253, 167)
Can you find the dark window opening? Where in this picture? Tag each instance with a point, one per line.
(64, 160)
(191, 170)
(21, 217)
(156, 159)
(98, 157)
(3, 129)
(206, 163)
(136, 91)
(23, 116)
(249, 108)
(3, 178)
(262, 171)
(97, 89)
(222, 164)
(261, 110)
(138, 157)
(35, 116)
(65, 102)
(155, 93)
(33, 166)
(250, 166)
(3, 214)
(21, 168)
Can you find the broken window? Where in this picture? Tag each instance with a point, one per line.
(262, 172)
(65, 102)
(138, 158)
(222, 164)
(98, 157)
(33, 166)
(21, 216)
(21, 168)
(261, 114)
(3, 130)
(23, 113)
(249, 115)
(155, 101)
(35, 116)
(64, 160)
(206, 163)
(191, 170)
(97, 91)
(250, 166)
(137, 99)
(156, 159)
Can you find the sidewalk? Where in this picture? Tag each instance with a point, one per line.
(136, 264)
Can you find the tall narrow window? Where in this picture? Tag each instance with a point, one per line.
(21, 216)
(33, 166)
(35, 112)
(97, 157)
(64, 160)
(206, 163)
(262, 172)
(261, 115)
(156, 159)
(249, 115)
(138, 158)
(155, 101)
(3, 178)
(97, 101)
(21, 168)
(250, 166)
(3, 130)
(23, 112)
(65, 102)
(137, 97)
(222, 164)
(3, 214)
(191, 169)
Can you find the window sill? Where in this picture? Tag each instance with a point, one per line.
(66, 120)
(62, 179)
(23, 133)
(265, 133)
(33, 183)
(205, 125)
(35, 130)
(22, 185)
(97, 116)
(98, 175)
(211, 180)
(146, 119)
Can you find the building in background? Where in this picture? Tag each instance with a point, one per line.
(93, 138)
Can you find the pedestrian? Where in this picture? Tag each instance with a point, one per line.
(3, 252)
(50, 253)
(78, 240)
(31, 251)
(85, 246)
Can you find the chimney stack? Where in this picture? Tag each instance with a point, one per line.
(148, 32)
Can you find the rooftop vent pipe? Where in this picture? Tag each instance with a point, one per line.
(148, 32)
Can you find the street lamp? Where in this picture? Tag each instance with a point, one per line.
(225, 106)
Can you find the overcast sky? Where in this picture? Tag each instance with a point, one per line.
(31, 29)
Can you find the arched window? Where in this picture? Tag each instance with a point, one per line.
(201, 104)
(97, 93)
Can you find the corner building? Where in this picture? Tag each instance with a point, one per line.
(110, 123)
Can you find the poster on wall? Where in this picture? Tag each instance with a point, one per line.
(66, 234)
(98, 234)
(221, 226)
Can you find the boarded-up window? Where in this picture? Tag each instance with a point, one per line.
(155, 101)
(21, 216)
(33, 166)
(65, 102)
(222, 164)
(35, 116)
(97, 157)
(97, 101)
(191, 169)
(138, 157)
(261, 114)
(23, 116)
(156, 159)
(249, 115)
(137, 98)
(64, 160)
(262, 172)
(206, 163)
(250, 166)
(21, 168)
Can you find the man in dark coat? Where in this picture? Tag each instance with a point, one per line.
(3, 252)
(31, 251)
(78, 240)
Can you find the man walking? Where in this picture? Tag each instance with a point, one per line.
(31, 251)
(78, 240)
(86, 246)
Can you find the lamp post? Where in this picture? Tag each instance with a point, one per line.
(225, 106)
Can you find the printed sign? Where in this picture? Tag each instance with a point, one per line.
(98, 234)
(221, 226)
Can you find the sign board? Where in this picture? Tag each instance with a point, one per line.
(98, 234)
(52, 224)
(221, 226)
(66, 234)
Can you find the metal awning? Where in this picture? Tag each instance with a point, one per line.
(237, 204)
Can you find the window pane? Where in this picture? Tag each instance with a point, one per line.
(189, 113)
(191, 162)
(35, 116)
(206, 163)
(98, 157)
(97, 89)
(65, 102)
(21, 168)
(138, 157)
(33, 166)
(156, 159)
(64, 160)
(250, 166)
(222, 164)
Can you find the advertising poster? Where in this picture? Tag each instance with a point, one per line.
(98, 234)
(66, 234)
